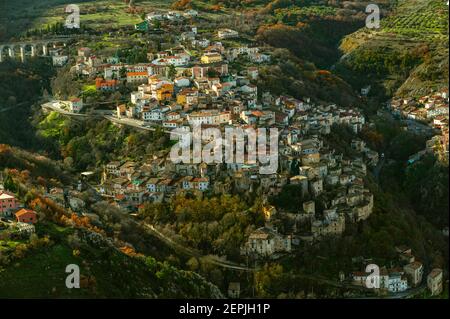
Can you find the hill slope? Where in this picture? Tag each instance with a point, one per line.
(407, 55)
(34, 267)
(105, 271)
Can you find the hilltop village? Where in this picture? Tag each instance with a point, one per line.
(181, 88)
(427, 115)
(211, 80)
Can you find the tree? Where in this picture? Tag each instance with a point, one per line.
(181, 5)
(172, 72)
(193, 264)
(9, 184)
(123, 72)
(267, 279)
(156, 24)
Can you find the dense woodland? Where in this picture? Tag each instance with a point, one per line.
(22, 85)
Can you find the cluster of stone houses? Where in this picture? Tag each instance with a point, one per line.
(320, 171)
(302, 124)
(201, 82)
(409, 274)
(208, 94)
(430, 109)
(424, 108)
(203, 91)
(166, 16)
(131, 184)
(347, 198)
(393, 280)
(266, 241)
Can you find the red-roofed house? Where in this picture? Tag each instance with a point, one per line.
(7, 202)
(26, 216)
(106, 85)
(137, 77)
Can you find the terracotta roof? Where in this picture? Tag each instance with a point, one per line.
(120, 196)
(24, 211)
(435, 272)
(136, 73)
(414, 265)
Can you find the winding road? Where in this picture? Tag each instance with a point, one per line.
(193, 253)
(107, 114)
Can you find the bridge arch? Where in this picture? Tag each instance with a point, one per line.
(7, 50)
(30, 48)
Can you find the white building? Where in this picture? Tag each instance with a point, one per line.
(415, 271)
(211, 117)
(182, 82)
(201, 184)
(227, 34)
(60, 60)
(190, 13)
(434, 281)
(397, 283)
(74, 105)
(175, 60)
(152, 16)
(266, 241)
(153, 115)
(202, 43)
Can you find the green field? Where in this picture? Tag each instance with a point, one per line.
(98, 14)
(418, 17)
(24, 15)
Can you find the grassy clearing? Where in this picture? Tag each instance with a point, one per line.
(23, 15)
(89, 88)
(41, 274)
(52, 125)
(8, 245)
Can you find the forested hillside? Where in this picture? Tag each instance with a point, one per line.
(21, 86)
(407, 56)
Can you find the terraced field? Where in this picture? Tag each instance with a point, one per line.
(414, 26)
(417, 16)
